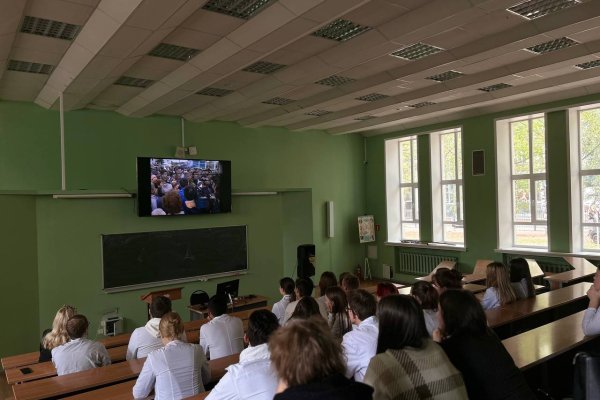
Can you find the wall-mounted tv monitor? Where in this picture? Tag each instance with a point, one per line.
(177, 186)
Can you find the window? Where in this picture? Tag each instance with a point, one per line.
(521, 169)
(447, 186)
(402, 189)
(585, 177)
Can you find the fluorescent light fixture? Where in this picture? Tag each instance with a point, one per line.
(68, 196)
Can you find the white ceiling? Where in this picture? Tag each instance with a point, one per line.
(480, 39)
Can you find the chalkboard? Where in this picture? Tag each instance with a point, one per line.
(144, 259)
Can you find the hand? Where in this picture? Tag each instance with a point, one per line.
(594, 296)
(437, 335)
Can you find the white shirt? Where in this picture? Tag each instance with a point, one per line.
(222, 336)
(175, 371)
(490, 299)
(146, 339)
(79, 355)
(252, 378)
(360, 345)
(591, 322)
(289, 310)
(431, 321)
(323, 307)
(279, 308)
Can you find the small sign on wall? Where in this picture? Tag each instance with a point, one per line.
(366, 228)
(478, 163)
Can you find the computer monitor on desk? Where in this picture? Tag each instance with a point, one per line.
(229, 289)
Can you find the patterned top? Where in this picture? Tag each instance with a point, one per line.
(412, 373)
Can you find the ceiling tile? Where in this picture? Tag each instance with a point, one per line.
(191, 38)
(60, 10)
(375, 13)
(212, 23)
(154, 68)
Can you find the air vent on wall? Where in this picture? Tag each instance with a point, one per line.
(49, 28)
(372, 97)
(552, 45)
(589, 64)
(26, 66)
(422, 104)
(174, 52)
(532, 9)
(497, 86)
(445, 76)
(318, 113)
(364, 118)
(264, 67)
(341, 30)
(335, 80)
(135, 82)
(279, 101)
(215, 92)
(244, 9)
(416, 51)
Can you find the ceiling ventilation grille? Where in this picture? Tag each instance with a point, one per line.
(134, 82)
(416, 51)
(244, 9)
(372, 97)
(422, 104)
(215, 92)
(364, 118)
(445, 76)
(49, 28)
(497, 86)
(341, 30)
(335, 80)
(279, 101)
(532, 9)
(174, 52)
(318, 113)
(26, 66)
(552, 45)
(589, 64)
(264, 67)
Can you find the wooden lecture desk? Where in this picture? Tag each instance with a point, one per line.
(582, 270)
(240, 304)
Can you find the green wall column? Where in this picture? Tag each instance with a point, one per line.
(425, 210)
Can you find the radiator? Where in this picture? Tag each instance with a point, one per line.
(420, 264)
(553, 266)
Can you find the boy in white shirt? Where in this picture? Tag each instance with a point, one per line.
(223, 334)
(286, 288)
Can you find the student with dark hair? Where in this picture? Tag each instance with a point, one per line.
(470, 345)
(307, 307)
(223, 334)
(310, 364)
(342, 276)
(499, 290)
(446, 278)
(427, 297)
(253, 376)
(408, 363)
(360, 344)
(338, 319)
(520, 278)
(591, 316)
(286, 289)
(350, 282)
(79, 353)
(304, 288)
(175, 371)
(385, 289)
(147, 338)
(327, 280)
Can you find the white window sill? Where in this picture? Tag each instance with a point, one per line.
(430, 245)
(546, 253)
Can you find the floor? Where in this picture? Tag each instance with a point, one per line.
(5, 392)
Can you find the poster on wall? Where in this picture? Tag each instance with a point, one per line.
(366, 228)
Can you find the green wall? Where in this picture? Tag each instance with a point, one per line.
(51, 248)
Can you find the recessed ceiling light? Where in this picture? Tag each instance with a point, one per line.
(244, 9)
(372, 97)
(279, 101)
(335, 80)
(174, 52)
(31, 67)
(318, 113)
(341, 30)
(364, 118)
(422, 104)
(49, 28)
(445, 76)
(416, 51)
(264, 67)
(497, 86)
(215, 92)
(532, 9)
(135, 82)
(589, 64)
(552, 45)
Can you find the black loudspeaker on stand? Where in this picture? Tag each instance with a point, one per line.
(306, 261)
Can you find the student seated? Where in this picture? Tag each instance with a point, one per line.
(175, 371)
(307, 307)
(79, 353)
(349, 283)
(446, 278)
(310, 364)
(499, 290)
(338, 319)
(427, 296)
(591, 316)
(408, 363)
(304, 288)
(58, 334)
(360, 344)
(147, 338)
(253, 377)
(327, 280)
(520, 278)
(223, 334)
(286, 289)
(385, 289)
(488, 371)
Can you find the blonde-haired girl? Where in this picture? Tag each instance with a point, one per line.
(499, 290)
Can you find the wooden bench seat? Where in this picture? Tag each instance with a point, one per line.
(582, 270)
